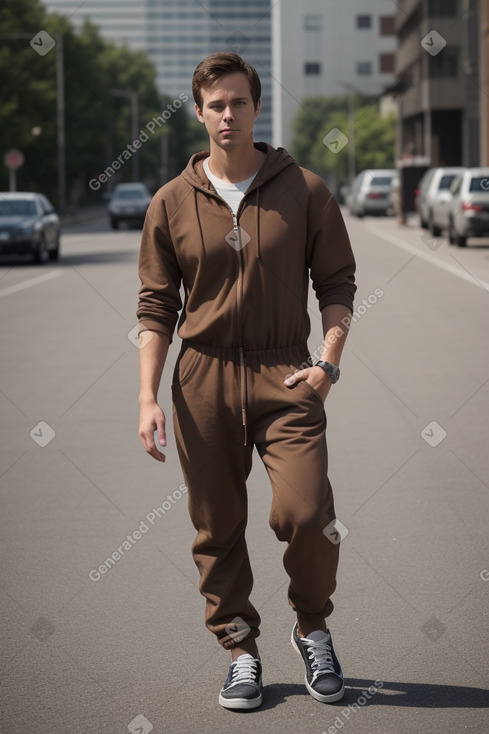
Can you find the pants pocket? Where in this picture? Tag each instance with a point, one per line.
(185, 366)
(312, 390)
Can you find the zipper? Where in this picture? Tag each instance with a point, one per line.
(239, 309)
(239, 253)
(235, 225)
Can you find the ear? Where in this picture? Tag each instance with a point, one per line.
(198, 112)
(258, 108)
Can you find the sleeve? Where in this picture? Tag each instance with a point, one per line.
(329, 253)
(160, 275)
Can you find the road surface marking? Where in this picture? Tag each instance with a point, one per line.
(29, 283)
(429, 258)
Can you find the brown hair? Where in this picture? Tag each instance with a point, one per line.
(213, 67)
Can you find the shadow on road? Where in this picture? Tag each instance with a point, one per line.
(412, 695)
(98, 258)
(86, 258)
(98, 226)
(417, 695)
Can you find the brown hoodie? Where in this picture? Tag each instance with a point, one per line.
(245, 281)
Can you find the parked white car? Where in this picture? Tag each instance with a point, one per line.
(434, 197)
(371, 192)
(468, 214)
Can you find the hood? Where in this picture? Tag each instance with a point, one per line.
(17, 221)
(276, 161)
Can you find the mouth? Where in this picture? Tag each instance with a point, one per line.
(228, 130)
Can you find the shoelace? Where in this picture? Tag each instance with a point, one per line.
(320, 654)
(245, 671)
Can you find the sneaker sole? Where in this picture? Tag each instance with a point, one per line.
(325, 699)
(318, 696)
(241, 703)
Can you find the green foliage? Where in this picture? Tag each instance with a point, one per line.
(374, 135)
(196, 137)
(98, 124)
(311, 125)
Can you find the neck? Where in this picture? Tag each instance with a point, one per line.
(235, 165)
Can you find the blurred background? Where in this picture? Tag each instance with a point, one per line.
(387, 101)
(362, 68)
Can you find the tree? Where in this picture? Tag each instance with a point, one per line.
(28, 95)
(374, 136)
(308, 126)
(98, 124)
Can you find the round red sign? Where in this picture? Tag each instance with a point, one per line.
(13, 159)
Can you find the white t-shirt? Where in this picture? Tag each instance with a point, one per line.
(232, 193)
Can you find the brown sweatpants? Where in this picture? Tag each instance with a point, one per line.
(225, 403)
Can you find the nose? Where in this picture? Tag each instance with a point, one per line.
(227, 115)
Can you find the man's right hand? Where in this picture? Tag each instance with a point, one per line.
(152, 357)
(151, 419)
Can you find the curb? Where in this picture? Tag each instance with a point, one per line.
(84, 215)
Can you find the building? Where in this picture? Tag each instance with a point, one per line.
(438, 67)
(177, 34)
(484, 81)
(328, 49)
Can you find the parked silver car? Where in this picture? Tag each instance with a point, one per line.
(434, 197)
(28, 225)
(371, 192)
(468, 214)
(128, 203)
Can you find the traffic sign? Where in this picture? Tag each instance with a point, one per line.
(13, 159)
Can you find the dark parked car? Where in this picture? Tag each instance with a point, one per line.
(28, 225)
(128, 204)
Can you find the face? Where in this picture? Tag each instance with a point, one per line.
(228, 112)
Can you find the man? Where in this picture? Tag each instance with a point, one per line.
(242, 229)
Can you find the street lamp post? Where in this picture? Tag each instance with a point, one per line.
(60, 116)
(164, 154)
(351, 132)
(134, 98)
(351, 147)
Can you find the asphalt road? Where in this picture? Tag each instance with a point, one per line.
(126, 650)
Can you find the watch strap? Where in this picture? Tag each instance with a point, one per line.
(331, 369)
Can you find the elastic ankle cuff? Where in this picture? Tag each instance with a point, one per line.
(228, 642)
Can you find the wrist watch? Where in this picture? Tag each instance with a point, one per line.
(332, 370)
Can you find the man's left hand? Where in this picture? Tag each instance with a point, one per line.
(315, 376)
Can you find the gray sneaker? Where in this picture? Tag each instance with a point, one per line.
(243, 686)
(324, 677)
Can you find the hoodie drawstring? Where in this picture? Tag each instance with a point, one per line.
(244, 394)
(258, 252)
(198, 219)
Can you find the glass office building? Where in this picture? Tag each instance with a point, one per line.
(177, 34)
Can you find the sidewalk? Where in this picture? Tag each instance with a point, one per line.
(84, 214)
